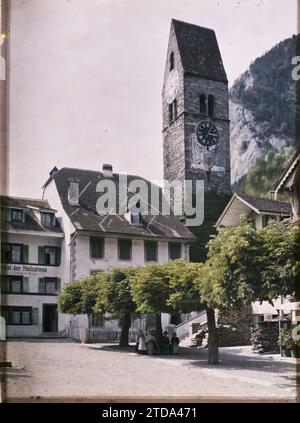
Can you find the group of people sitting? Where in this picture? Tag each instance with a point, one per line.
(148, 344)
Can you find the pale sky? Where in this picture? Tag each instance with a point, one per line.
(86, 77)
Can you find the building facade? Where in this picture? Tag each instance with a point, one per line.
(31, 263)
(95, 243)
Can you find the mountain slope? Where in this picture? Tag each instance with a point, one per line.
(262, 108)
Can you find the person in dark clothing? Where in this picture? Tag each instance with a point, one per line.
(175, 344)
(166, 343)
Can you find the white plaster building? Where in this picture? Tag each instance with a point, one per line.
(31, 240)
(95, 243)
(260, 211)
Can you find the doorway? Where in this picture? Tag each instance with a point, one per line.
(50, 318)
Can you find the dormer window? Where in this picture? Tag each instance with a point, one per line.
(73, 192)
(136, 219)
(16, 216)
(47, 219)
(172, 61)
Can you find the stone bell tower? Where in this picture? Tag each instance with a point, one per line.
(195, 106)
(195, 109)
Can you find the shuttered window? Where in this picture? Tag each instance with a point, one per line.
(174, 250)
(17, 215)
(47, 219)
(151, 251)
(17, 315)
(14, 253)
(50, 256)
(50, 286)
(96, 248)
(125, 249)
(14, 284)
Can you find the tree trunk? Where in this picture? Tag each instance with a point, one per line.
(126, 323)
(158, 330)
(213, 351)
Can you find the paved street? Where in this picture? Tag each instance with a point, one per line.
(60, 368)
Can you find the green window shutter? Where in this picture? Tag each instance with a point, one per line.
(58, 285)
(5, 284)
(8, 215)
(41, 286)
(25, 253)
(25, 284)
(125, 248)
(41, 255)
(58, 256)
(35, 316)
(151, 250)
(174, 250)
(96, 248)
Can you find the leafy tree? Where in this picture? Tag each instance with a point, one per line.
(150, 287)
(183, 292)
(115, 297)
(279, 262)
(78, 297)
(246, 265)
(107, 292)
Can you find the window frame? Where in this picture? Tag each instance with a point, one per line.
(173, 244)
(11, 245)
(52, 217)
(91, 239)
(9, 281)
(173, 111)
(94, 316)
(138, 218)
(120, 240)
(7, 313)
(42, 255)
(145, 251)
(49, 280)
(12, 210)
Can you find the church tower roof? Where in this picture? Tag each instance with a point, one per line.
(199, 51)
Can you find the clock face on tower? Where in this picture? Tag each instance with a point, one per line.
(207, 134)
(171, 86)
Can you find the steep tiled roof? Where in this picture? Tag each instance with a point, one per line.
(265, 205)
(199, 50)
(289, 174)
(85, 217)
(29, 205)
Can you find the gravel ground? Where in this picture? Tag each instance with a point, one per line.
(59, 368)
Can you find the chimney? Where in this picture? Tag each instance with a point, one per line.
(73, 192)
(107, 170)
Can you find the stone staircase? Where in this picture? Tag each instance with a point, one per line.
(188, 329)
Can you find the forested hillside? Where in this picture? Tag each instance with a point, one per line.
(262, 115)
